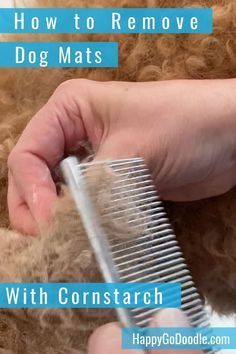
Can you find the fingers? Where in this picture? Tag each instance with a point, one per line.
(75, 113)
(31, 196)
(19, 213)
(107, 339)
(57, 128)
(171, 318)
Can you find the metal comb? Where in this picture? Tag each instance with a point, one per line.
(153, 255)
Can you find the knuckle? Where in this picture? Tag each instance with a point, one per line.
(70, 86)
(68, 90)
(65, 85)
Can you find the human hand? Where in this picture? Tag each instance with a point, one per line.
(185, 130)
(107, 339)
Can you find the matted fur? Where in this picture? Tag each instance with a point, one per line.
(206, 230)
(60, 254)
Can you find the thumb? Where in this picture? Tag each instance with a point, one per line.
(171, 318)
(107, 339)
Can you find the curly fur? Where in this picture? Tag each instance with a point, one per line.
(206, 230)
(60, 254)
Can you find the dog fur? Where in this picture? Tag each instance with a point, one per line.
(206, 230)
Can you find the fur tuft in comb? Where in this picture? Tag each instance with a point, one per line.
(146, 249)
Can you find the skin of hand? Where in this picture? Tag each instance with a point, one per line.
(107, 339)
(185, 130)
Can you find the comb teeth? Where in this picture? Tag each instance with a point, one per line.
(153, 255)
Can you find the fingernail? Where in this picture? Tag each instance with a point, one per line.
(170, 318)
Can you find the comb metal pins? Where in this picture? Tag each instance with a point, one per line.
(153, 255)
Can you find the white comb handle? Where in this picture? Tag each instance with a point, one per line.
(94, 230)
